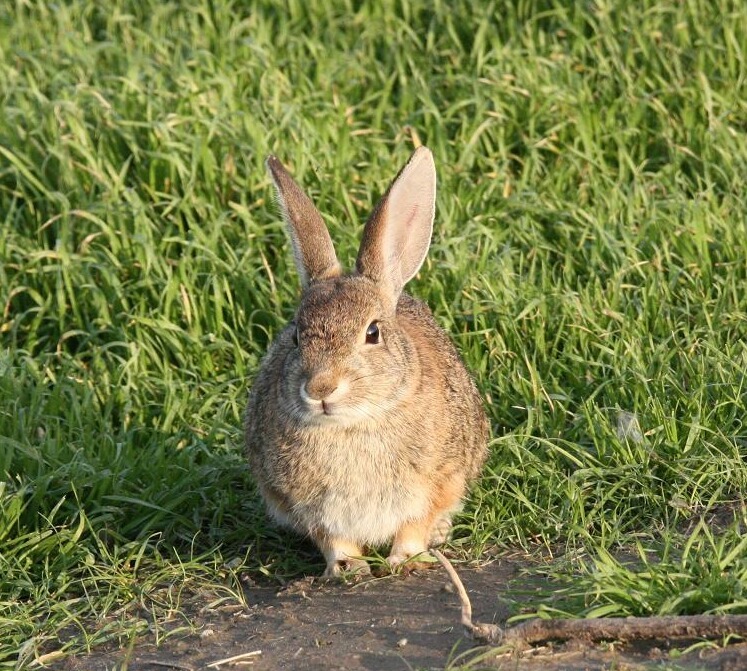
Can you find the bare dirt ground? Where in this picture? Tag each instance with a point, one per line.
(386, 624)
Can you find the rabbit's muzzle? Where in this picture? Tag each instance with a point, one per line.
(323, 392)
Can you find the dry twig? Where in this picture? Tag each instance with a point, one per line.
(170, 665)
(595, 629)
(234, 659)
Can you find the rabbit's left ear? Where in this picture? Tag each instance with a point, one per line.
(398, 232)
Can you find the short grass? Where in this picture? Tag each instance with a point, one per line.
(589, 257)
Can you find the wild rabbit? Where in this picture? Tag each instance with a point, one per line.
(363, 427)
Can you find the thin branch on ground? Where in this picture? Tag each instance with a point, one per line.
(236, 658)
(532, 632)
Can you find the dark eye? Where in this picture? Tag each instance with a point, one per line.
(295, 337)
(372, 333)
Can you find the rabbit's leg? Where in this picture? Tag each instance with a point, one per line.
(411, 540)
(441, 529)
(415, 537)
(342, 556)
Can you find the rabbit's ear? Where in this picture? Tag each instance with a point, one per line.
(398, 233)
(312, 247)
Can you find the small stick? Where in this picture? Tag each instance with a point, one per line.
(486, 633)
(456, 581)
(235, 658)
(597, 628)
(47, 658)
(170, 665)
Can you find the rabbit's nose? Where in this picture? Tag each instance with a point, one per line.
(320, 387)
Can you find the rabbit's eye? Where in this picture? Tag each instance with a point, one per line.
(372, 333)
(295, 337)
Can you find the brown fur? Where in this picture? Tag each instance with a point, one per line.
(360, 444)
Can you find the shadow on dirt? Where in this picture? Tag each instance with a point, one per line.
(386, 624)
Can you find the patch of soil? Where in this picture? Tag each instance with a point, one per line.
(385, 624)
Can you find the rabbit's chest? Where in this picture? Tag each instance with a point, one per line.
(365, 492)
(370, 514)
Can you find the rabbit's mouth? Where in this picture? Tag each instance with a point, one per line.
(329, 413)
(326, 411)
(341, 405)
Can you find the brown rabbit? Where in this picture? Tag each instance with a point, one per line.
(363, 426)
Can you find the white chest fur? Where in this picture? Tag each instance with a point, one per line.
(362, 491)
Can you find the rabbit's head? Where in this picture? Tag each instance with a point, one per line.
(348, 358)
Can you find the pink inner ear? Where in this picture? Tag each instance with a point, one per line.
(410, 213)
(397, 236)
(413, 213)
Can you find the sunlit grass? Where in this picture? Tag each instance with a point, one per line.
(588, 258)
(703, 570)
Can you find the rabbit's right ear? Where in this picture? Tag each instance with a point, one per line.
(398, 232)
(312, 247)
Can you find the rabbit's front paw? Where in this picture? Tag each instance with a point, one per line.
(343, 557)
(340, 568)
(405, 564)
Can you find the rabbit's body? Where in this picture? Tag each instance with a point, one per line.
(363, 425)
(350, 477)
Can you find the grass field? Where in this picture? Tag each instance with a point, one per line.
(589, 258)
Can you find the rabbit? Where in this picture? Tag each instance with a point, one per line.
(363, 427)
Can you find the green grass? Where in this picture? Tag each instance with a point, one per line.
(705, 572)
(589, 256)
